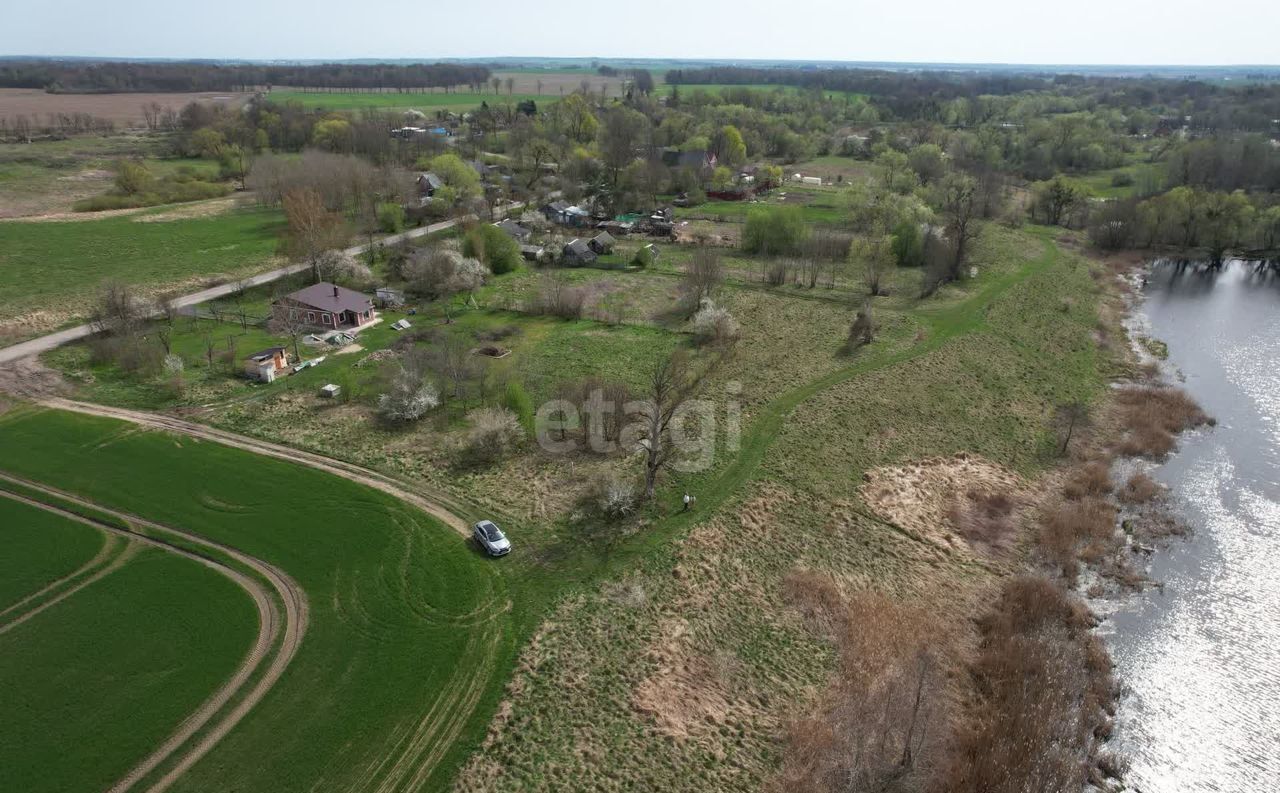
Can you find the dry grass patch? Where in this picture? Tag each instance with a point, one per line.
(976, 498)
(1140, 489)
(1151, 416)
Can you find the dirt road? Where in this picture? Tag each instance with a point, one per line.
(274, 628)
(355, 473)
(43, 344)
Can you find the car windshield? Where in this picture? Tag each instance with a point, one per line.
(491, 532)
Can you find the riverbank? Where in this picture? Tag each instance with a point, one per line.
(1196, 655)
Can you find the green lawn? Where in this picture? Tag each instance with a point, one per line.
(409, 632)
(91, 685)
(58, 267)
(39, 548)
(427, 103)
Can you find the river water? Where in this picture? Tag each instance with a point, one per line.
(1201, 659)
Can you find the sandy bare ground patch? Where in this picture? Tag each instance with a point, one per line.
(124, 109)
(287, 629)
(195, 209)
(28, 378)
(918, 497)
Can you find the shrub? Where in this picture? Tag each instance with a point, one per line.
(409, 396)
(714, 324)
(612, 497)
(1091, 479)
(908, 244)
(491, 245)
(390, 217)
(516, 399)
(774, 230)
(495, 433)
(1140, 489)
(558, 299)
(1152, 415)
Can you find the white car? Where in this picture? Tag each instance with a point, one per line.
(491, 538)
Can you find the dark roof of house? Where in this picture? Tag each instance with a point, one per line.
(687, 159)
(603, 238)
(513, 228)
(263, 355)
(435, 182)
(328, 297)
(578, 247)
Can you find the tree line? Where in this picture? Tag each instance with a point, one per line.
(183, 76)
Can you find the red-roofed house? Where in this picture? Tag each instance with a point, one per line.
(327, 306)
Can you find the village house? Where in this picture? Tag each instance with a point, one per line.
(696, 160)
(514, 230)
(577, 252)
(265, 365)
(602, 243)
(326, 306)
(428, 184)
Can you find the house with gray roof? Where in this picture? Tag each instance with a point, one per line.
(326, 306)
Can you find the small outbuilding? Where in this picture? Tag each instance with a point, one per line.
(531, 253)
(265, 365)
(602, 243)
(387, 297)
(330, 391)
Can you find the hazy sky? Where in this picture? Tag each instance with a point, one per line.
(967, 31)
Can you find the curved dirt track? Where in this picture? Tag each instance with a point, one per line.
(286, 629)
(99, 560)
(350, 471)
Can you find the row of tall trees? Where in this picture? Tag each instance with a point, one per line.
(128, 77)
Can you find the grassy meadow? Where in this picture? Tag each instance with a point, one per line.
(50, 271)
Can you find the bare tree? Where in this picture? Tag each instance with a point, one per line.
(289, 322)
(313, 229)
(1070, 417)
(702, 277)
(672, 381)
(119, 311)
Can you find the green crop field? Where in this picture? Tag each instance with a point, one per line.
(409, 629)
(426, 102)
(57, 267)
(39, 549)
(93, 683)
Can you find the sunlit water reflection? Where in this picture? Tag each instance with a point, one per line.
(1201, 660)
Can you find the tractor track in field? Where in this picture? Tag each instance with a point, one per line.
(103, 564)
(350, 471)
(281, 631)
